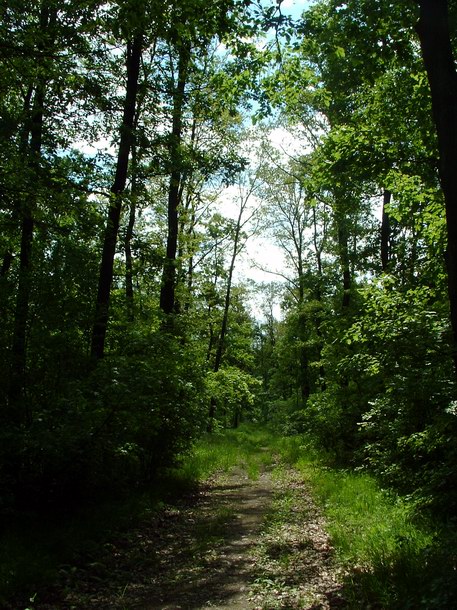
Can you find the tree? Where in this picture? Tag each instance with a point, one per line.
(167, 293)
(40, 84)
(191, 41)
(134, 48)
(31, 137)
(435, 38)
(362, 91)
(61, 67)
(247, 191)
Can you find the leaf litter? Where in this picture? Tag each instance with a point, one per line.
(235, 543)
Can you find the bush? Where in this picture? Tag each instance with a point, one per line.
(134, 414)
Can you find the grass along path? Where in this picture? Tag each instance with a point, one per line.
(251, 535)
(295, 559)
(249, 538)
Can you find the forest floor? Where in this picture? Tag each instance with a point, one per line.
(238, 542)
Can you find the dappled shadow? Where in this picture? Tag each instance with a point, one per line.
(216, 567)
(205, 552)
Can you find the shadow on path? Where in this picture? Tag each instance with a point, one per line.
(214, 567)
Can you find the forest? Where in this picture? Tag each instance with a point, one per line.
(149, 151)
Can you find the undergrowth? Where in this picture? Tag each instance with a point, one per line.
(247, 446)
(34, 546)
(393, 557)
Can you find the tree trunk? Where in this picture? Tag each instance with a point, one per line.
(224, 325)
(6, 263)
(228, 292)
(305, 389)
(167, 292)
(17, 382)
(212, 335)
(318, 295)
(318, 252)
(435, 40)
(19, 345)
(344, 259)
(129, 298)
(385, 232)
(133, 61)
(302, 334)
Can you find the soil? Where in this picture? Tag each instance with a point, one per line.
(237, 543)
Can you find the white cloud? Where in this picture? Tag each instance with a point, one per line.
(262, 259)
(291, 144)
(294, 8)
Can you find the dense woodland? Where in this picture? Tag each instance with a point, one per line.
(126, 333)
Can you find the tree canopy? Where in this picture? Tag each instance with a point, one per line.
(127, 329)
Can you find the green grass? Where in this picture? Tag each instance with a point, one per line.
(33, 547)
(248, 447)
(393, 559)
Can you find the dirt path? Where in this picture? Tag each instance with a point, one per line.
(230, 518)
(239, 544)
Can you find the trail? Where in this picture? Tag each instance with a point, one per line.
(225, 566)
(238, 544)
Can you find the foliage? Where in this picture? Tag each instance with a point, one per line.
(36, 549)
(70, 425)
(391, 556)
(234, 393)
(362, 359)
(224, 450)
(134, 414)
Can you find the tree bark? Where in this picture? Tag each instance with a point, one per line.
(228, 292)
(302, 330)
(134, 49)
(167, 291)
(344, 258)
(305, 389)
(129, 297)
(318, 252)
(6, 263)
(318, 295)
(385, 232)
(435, 40)
(34, 131)
(224, 324)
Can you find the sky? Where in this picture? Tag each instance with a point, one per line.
(262, 258)
(294, 8)
(261, 252)
(262, 261)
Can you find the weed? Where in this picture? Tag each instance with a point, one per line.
(247, 446)
(392, 558)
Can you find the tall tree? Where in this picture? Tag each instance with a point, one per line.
(385, 231)
(32, 136)
(167, 292)
(245, 216)
(435, 38)
(134, 49)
